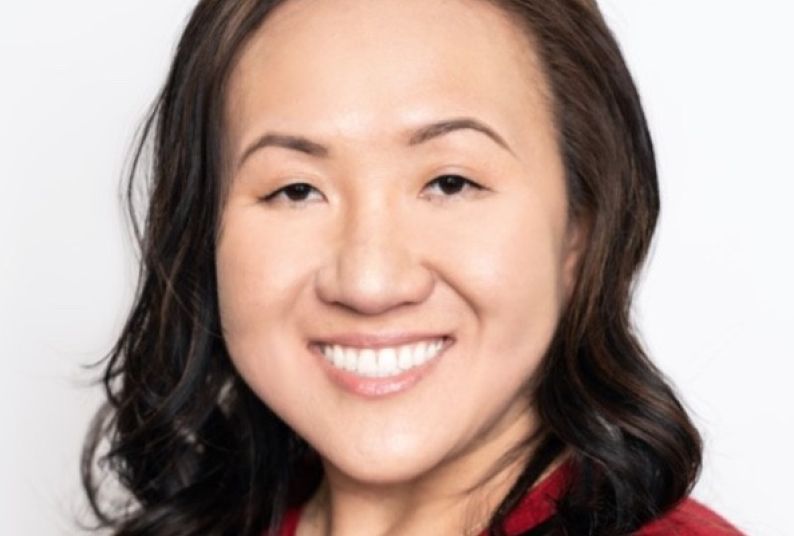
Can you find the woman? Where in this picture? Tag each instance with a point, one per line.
(386, 278)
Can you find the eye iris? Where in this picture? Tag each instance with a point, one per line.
(450, 184)
(297, 192)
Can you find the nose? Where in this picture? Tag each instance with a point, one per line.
(377, 261)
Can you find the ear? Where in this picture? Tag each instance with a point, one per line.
(574, 245)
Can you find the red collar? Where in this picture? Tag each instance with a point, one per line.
(539, 503)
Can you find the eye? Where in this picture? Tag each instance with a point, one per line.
(453, 184)
(298, 192)
(294, 193)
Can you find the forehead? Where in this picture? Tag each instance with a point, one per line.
(368, 68)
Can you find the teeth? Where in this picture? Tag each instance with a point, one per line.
(387, 362)
(351, 357)
(382, 362)
(406, 358)
(420, 353)
(367, 363)
(338, 356)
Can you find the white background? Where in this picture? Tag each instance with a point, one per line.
(715, 303)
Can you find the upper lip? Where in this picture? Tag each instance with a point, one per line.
(373, 340)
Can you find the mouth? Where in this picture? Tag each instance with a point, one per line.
(376, 371)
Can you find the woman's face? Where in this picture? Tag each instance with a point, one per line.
(367, 103)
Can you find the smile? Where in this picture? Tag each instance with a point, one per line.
(381, 362)
(385, 370)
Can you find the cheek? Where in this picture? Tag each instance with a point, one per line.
(506, 259)
(243, 287)
(260, 265)
(508, 268)
(260, 273)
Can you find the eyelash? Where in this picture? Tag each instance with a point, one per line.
(270, 198)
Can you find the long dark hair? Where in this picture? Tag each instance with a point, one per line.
(196, 452)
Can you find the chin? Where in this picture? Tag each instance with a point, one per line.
(382, 473)
(394, 467)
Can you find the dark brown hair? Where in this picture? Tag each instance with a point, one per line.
(198, 453)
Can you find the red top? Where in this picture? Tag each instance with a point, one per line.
(689, 518)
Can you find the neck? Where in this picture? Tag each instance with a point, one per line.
(455, 497)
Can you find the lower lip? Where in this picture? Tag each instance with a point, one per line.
(378, 387)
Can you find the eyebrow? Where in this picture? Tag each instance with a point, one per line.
(425, 133)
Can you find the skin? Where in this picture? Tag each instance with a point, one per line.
(377, 246)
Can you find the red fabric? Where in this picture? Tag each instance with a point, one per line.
(689, 518)
(290, 525)
(538, 504)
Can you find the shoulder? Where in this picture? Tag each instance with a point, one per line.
(690, 518)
